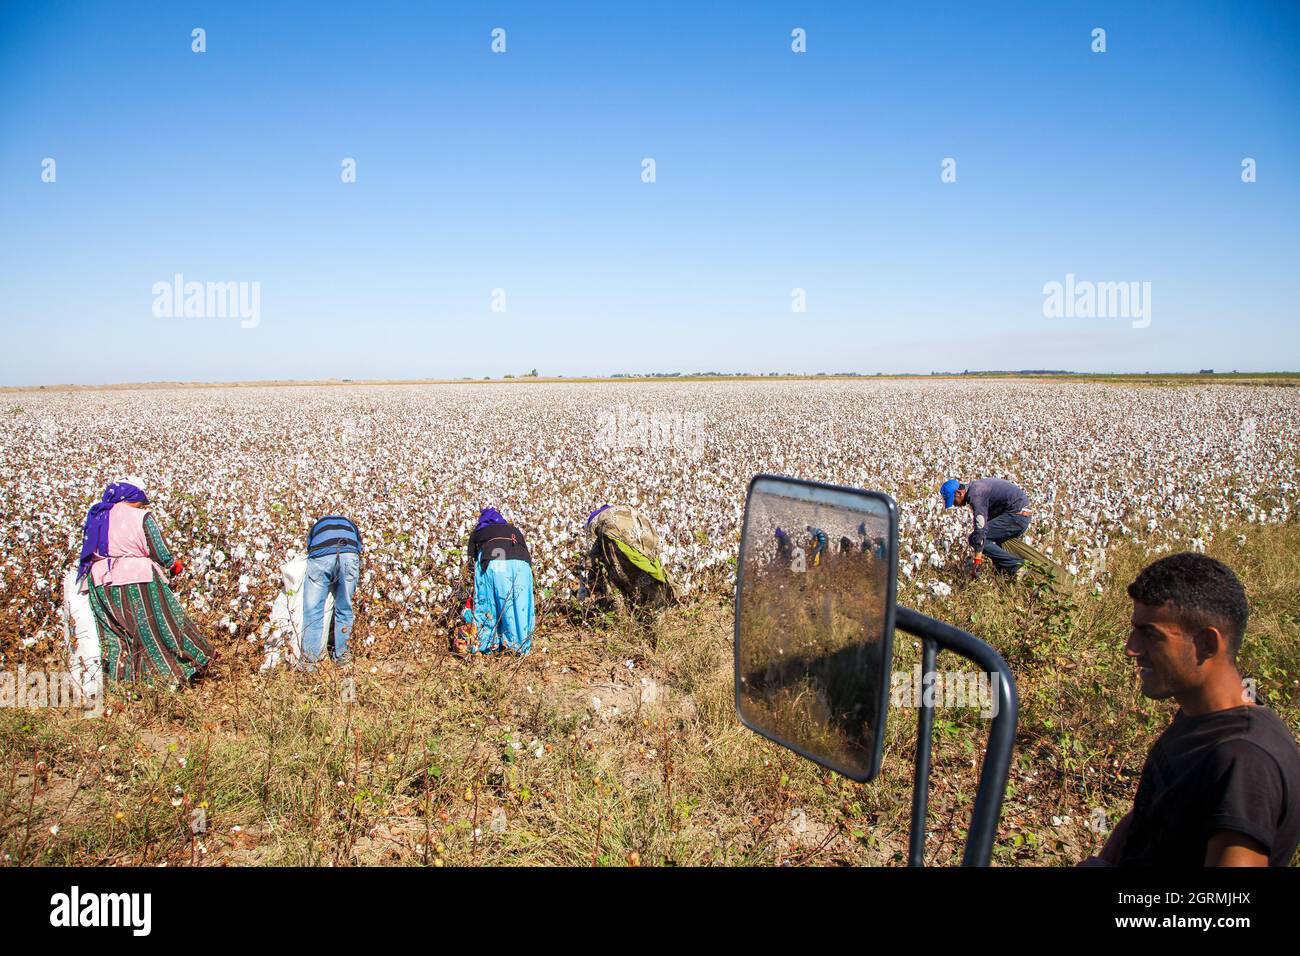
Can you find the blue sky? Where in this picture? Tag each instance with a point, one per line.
(522, 171)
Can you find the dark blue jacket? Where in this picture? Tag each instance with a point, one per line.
(988, 498)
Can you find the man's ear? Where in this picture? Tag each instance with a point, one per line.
(1210, 642)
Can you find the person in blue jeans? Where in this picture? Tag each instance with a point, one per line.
(1001, 512)
(333, 566)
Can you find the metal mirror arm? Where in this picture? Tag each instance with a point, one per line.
(997, 758)
(921, 773)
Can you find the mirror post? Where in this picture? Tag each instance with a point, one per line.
(924, 739)
(1002, 735)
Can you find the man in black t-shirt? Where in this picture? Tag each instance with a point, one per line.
(1221, 787)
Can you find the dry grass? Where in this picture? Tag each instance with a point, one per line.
(424, 759)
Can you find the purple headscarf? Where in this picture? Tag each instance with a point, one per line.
(489, 516)
(592, 517)
(95, 537)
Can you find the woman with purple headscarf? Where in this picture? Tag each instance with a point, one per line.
(501, 615)
(125, 566)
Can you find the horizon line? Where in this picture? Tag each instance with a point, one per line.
(618, 377)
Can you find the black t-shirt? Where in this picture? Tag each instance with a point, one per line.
(1236, 769)
(498, 541)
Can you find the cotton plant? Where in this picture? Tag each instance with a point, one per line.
(236, 476)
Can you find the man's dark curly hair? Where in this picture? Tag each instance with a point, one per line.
(1204, 593)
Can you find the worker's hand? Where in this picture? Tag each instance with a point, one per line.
(975, 565)
(177, 567)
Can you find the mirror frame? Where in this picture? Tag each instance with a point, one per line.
(891, 600)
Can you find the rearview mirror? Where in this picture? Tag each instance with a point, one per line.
(815, 592)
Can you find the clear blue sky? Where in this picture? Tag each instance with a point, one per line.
(522, 171)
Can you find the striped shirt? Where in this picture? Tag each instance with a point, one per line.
(333, 534)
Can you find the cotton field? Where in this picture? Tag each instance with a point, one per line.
(236, 475)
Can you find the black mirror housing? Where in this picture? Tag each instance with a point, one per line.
(815, 603)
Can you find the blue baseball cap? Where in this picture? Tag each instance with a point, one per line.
(949, 491)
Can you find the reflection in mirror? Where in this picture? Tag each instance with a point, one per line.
(814, 620)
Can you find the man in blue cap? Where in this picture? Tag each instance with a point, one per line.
(1001, 512)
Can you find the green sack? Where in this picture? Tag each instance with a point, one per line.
(626, 554)
(650, 566)
(1038, 563)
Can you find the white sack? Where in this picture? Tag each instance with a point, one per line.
(284, 630)
(81, 635)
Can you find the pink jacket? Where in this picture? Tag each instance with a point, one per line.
(128, 560)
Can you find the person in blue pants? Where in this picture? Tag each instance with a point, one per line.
(1000, 512)
(333, 566)
(501, 615)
